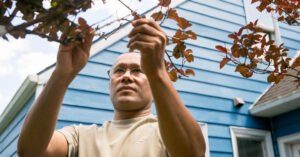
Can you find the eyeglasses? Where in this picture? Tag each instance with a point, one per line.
(118, 72)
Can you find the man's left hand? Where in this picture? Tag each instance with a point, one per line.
(148, 37)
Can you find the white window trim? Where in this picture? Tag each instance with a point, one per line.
(203, 127)
(285, 144)
(242, 132)
(274, 31)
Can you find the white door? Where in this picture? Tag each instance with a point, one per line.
(296, 150)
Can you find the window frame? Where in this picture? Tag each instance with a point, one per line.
(203, 127)
(242, 132)
(285, 144)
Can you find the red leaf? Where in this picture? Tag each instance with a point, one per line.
(183, 23)
(192, 34)
(157, 16)
(221, 49)
(164, 3)
(172, 14)
(232, 36)
(189, 72)
(82, 22)
(223, 62)
(173, 75)
(271, 78)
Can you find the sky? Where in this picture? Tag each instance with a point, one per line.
(22, 57)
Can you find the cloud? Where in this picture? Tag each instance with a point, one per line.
(9, 51)
(33, 62)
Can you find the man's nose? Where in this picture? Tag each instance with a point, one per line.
(127, 78)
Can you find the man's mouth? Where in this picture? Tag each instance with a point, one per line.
(126, 88)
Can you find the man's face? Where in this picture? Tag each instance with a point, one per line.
(129, 86)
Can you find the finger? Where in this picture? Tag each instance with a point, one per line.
(146, 21)
(143, 37)
(144, 28)
(88, 39)
(140, 45)
(66, 48)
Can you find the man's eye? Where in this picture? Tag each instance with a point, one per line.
(136, 71)
(119, 71)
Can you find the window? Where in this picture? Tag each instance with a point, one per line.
(203, 127)
(251, 142)
(289, 146)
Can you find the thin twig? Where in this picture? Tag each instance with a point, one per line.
(172, 61)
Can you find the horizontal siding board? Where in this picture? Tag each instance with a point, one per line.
(212, 103)
(209, 21)
(225, 118)
(228, 81)
(288, 27)
(96, 69)
(287, 119)
(84, 115)
(89, 83)
(290, 34)
(288, 130)
(10, 149)
(120, 46)
(218, 131)
(16, 120)
(201, 30)
(221, 5)
(87, 99)
(291, 43)
(106, 56)
(14, 127)
(214, 12)
(221, 145)
(236, 2)
(10, 137)
(202, 88)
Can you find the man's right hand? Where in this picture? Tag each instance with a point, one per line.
(71, 58)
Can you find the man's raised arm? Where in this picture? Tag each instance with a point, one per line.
(179, 130)
(38, 136)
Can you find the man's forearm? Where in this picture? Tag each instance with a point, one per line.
(41, 119)
(180, 132)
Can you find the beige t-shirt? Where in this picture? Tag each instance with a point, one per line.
(136, 137)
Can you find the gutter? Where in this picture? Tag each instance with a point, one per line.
(19, 100)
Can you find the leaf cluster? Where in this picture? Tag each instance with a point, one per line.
(252, 50)
(178, 40)
(288, 10)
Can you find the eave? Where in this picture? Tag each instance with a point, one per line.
(278, 106)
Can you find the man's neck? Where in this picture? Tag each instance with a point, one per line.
(121, 115)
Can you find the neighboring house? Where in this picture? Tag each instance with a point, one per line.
(271, 127)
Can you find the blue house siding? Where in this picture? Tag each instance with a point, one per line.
(287, 123)
(290, 36)
(9, 137)
(208, 95)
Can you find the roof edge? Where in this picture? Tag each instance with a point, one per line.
(101, 44)
(18, 101)
(279, 106)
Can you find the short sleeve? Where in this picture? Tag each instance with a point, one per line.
(71, 134)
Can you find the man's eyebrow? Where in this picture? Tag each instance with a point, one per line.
(129, 65)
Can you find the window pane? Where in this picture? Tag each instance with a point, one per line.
(249, 147)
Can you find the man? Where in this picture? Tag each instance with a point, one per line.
(134, 132)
